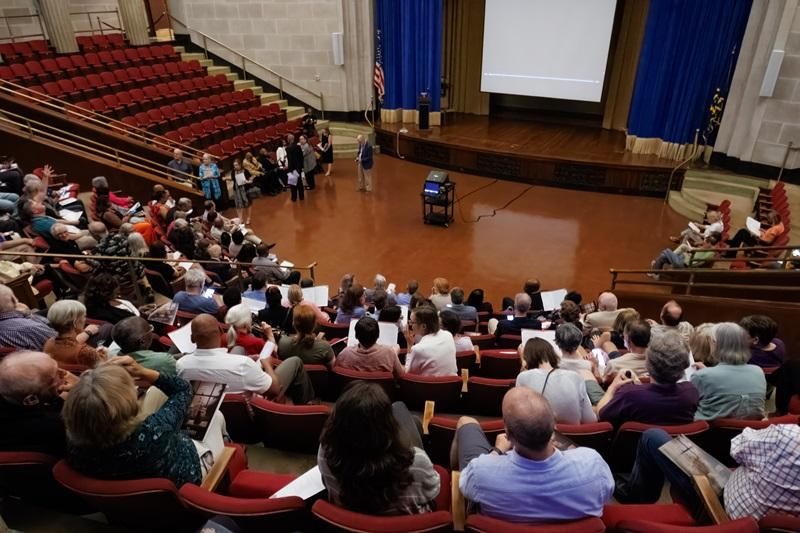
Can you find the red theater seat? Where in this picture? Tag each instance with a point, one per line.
(289, 427)
(623, 448)
(743, 525)
(596, 435)
(442, 431)
(483, 524)
(344, 376)
(500, 364)
(485, 395)
(444, 390)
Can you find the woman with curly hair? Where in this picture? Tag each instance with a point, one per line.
(371, 456)
(102, 301)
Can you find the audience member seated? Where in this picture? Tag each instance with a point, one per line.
(158, 209)
(275, 313)
(98, 231)
(450, 322)
(100, 188)
(514, 324)
(765, 237)
(573, 357)
(134, 336)
(786, 380)
(193, 299)
(701, 345)
(231, 297)
(69, 346)
(64, 242)
(304, 343)
(32, 388)
(440, 293)
(368, 355)
(240, 336)
(732, 389)
(237, 242)
(432, 350)
(671, 318)
(532, 288)
(637, 337)
(42, 224)
(258, 288)
(159, 251)
(764, 483)
(211, 363)
(476, 300)
(563, 389)
(106, 213)
(275, 274)
(692, 237)
(182, 238)
(404, 298)
(606, 312)
(766, 350)
(351, 305)
(108, 437)
(371, 456)
(464, 312)
(102, 300)
(617, 333)
(524, 478)
(664, 400)
(19, 328)
(220, 266)
(379, 286)
(126, 243)
(682, 256)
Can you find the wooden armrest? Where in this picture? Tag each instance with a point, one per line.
(458, 507)
(710, 500)
(219, 469)
(464, 379)
(427, 414)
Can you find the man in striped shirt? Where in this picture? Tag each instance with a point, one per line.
(19, 328)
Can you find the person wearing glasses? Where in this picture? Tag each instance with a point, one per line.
(134, 336)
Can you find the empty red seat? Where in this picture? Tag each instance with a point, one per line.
(147, 72)
(23, 50)
(142, 120)
(79, 62)
(138, 96)
(289, 427)
(178, 89)
(200, 87)
(596, 435)
(116, 40)
(169, 115)
(53, 89)
(242, 145)
(93, 61)
(110, 81)
(216, 102)
(69, 89)
(227, 101)
(21, 74)
(174, 136)
(120, 59)
(478, 523)
(161, 72)
(157, 119)
(742, 525)
(35, 69)
(96, 83)
(156, 52)
(101, 42)
(145, 55)
(195, 66)
(64, 64)
(209, 126)
(332, 518)
(133, 56)
(221, 124)
(500, 364)
(415, 390)
(99, 106)
(485, 395)
(8, 53)
(187, 86)
(254, 143)
(233, 120)
(125, 99)
(164, 91)
(106, 59)
(344, 376)
(131, 122)
(198, 131)
(216, 151)
(152, 94)
(193, 108)
(85, 42)
(223, 81)
(114, 104)
(168, 52)
(121, 76)
(229, 149)
(187, 135)
(172, 69)
(249, 96)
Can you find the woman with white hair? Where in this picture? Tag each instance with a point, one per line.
(240, 321)
(64, 242)
(732, 389)
(209, 178)
(68, 318)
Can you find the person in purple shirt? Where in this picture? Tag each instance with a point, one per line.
(524, 478)
(663, 401)
(766, 350)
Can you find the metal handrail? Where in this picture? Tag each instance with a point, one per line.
(97, 118)
(679, 165)
(79, 143)
(245, 60)
(89, 14)
(13, 37)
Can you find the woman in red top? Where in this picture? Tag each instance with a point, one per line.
(240, 321)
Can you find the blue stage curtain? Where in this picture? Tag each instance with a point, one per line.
(689, 51)
(411, 38)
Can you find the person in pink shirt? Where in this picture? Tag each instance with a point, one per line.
(368, 356)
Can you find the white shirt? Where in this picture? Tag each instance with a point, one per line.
(715, 227)
(433, 355)
(216, 365)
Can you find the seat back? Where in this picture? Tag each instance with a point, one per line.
(29, 477)
(123, 501)
(250, 514)
(595, 435)
(743, 525)
(239, 419)
(320, 378)
(485, 395)
(442, 431)
(295, 428)
(334, 331)
(330, 518)
(477, 523)
(444, 390)
(500, 364)
(342, 377)
(623, 448)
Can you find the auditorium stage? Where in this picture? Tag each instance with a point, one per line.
(572, 156)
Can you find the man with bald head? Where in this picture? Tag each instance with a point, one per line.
(671, 318)
(19, 328)
(210, 362)
(606, 312)
(514, 324)
(31, 396)
(524, 478)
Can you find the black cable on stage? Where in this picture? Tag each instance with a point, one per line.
(494, 211)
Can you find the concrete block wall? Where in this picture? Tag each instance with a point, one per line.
(293, 38)
(781, 121)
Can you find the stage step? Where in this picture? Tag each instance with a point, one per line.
(728, 177)
(267, 98)
(293, 111)
(746, 192)
(179, 49)
(680, 205)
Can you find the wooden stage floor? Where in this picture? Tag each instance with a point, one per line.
(582, 157)
(564, 237)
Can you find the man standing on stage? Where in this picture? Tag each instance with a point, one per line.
(364, 161)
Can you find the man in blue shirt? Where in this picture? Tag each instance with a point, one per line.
(464, 312)
(524, 478)
(192, 299)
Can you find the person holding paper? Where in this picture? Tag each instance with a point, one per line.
(304, 343)
(209, 178)
(697, 232)
(211, 363)
(241, 180)
(371, 456)
(275, 274)
(753, 235)
(433, 350)
(107, 437)
(368, 355)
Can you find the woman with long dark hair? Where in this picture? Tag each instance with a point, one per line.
(371, 455)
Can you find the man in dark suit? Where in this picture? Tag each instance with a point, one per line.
(294, 158)
(514, 325)
(364, 160)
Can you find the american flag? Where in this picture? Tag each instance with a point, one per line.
(377, 78)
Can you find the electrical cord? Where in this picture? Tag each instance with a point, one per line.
(494, 211)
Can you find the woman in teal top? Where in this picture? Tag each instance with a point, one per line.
(732, 389)
(107, 438)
